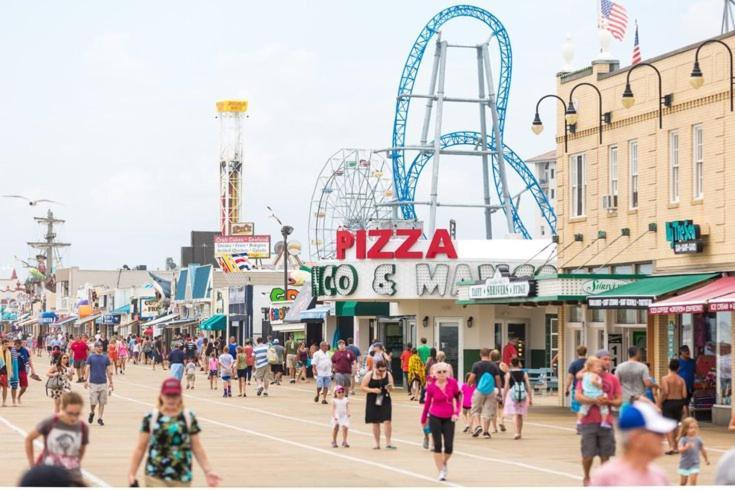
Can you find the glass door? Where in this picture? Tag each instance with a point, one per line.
(449, 342)
(518, 331)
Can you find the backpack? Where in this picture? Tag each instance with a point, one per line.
(272, 356)
(486, 385)
(518, 391)
(54, 383)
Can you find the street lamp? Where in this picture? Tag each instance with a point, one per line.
(571, 112)
(663, 100)
(696, 79)
(537, 126)
(286, 230)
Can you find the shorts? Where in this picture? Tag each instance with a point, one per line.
(291, 361)
(486, 406)
(3, 380)
(694, 470)
(79, 364)
(574, 405)
(276, 368)
(323, 381)
(23, 378)
(97, 394)
(190, 378)
(226, 378)
(673, 409)
(242, 373)
(342, 379)
(152, 481)
(262, 373)
(212, 373)
(466, 411)
(597, 441)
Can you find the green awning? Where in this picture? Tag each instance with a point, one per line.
(362, 308)
(215, 322)
(640, 294)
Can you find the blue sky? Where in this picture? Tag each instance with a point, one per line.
(108, 107)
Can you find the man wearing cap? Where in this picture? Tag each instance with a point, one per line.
(598, 440)
(98, 379)
(643, 430)
(277, 365)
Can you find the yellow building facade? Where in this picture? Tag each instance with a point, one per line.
(652, 198)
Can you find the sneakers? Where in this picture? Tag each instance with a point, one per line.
(443, 474)
(293, 381)
(334, 444)
(502, 427)
(265, 394)
(425, 444)
(486, 435)
(324, 402)
(466, 429)
(260, 391)
(90, 419)
(316, 399)
(99, 421)
(345, 445)
(477, 432)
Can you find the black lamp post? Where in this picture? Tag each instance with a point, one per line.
(285, 232)
(663, 100)
(697, 80)
(571, 112)
(537, 126)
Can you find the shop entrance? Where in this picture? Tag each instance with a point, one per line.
(449, 338)
(504, 331)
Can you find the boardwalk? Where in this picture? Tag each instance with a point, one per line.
(284, 440)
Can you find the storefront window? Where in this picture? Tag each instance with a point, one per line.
(598, 316)
(724, 358)
(575, 314)
(627, 317)
(699, 332)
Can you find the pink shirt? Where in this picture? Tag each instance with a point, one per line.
(467, 392)
(442, 403)
(611, 387)
(618, 473)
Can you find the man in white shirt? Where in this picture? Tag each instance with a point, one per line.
(321, 363)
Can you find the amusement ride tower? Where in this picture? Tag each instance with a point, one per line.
(231, 114)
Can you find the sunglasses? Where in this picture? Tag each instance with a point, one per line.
(441, 372)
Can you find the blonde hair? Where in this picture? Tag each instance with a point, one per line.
(590, 362)
(441, 356)
(685, 424)
(441, 365)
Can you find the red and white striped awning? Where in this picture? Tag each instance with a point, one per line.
(698, 300)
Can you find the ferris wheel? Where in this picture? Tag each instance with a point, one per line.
(347, 196)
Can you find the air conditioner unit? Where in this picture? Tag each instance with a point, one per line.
(610, 202)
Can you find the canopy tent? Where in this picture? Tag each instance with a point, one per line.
(643, 292)
(214, 322)
(695, 301)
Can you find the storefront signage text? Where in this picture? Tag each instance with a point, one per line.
(148, 308)
(598, 286)
(500, 286)
(277, 294)
(684, 236)
(334, 280)
(277, 314)
(441, 244)
(619, 303)
(110, 319)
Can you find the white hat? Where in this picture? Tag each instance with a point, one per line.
(641, 415)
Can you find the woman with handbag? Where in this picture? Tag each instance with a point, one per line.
(59, 379)
(378, 384)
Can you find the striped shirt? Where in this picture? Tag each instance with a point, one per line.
(260, 352)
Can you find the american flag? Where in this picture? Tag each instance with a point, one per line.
(615, 18)
(242, 261)
(636, 48)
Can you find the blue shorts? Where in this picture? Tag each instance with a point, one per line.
(226, 377)
(323, 381)
(694, 470)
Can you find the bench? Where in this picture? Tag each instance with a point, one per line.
(542, 379)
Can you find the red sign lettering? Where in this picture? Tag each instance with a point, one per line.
(440, 245)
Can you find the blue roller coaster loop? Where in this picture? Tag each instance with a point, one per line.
(405, 180)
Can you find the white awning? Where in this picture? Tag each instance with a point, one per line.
(87, 319)
(27, 322)
(162, 319)
(65, 321)
(289, 327)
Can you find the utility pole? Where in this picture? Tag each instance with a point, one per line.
(49, 246)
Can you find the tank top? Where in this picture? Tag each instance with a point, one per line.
(516, 376)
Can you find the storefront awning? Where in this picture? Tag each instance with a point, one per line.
(26, 323)
(123, 310)
(289, 327)
(163, 319)
(215, 322)
(317, 313)
(65, 321)
(695, 301)
(642, 293)
(362, 308)
(87, 319)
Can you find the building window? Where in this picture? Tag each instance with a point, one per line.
(623, 269)
(674, 166)
(551, 172)
(633, 160)
(646, 268)
(598, 316)
(613, 168)
(575, 314)
(698, 159)
(578, 185)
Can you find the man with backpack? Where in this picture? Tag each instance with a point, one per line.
(485, 377)
(276, 355)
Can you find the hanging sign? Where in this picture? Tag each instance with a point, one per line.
(684, 237)
(500, 286)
